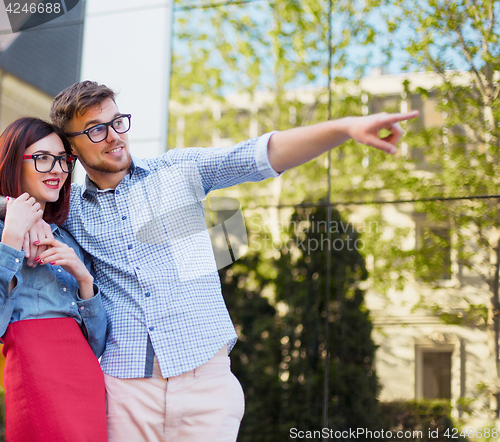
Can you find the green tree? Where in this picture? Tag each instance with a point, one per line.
(256, 357)
(274, 47)
(278, 308)
(236, 49)
(301, 286)
(458, 42)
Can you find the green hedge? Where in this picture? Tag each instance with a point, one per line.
(430, 417)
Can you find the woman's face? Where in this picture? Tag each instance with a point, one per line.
(44, 187)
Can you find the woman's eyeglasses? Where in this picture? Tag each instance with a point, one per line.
(45, 162)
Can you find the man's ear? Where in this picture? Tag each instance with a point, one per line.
(74, 151)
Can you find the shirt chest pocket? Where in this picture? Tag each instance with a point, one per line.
(37, 278)
(49, 281)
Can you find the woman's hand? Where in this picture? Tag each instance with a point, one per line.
(22, 213)
(61, 254)
(32, 248)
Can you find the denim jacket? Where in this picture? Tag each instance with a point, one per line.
(48, 291)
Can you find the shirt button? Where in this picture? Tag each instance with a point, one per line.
(148, 295)
(64, 289)
(117, 192)
(124, 217)
(130, 246)
(72, 303)
(82, 308)
(17, 259)
(151, 328)
(138, 268)
(59, 270)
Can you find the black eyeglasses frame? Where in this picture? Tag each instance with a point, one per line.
(107, 125)
(70, 159)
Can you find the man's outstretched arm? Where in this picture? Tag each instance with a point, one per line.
(297, 146)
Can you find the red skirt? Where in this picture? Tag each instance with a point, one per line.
(54, 386)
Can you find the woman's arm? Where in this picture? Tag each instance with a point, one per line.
(11, 262)
(20, 217)
(40, 229)
(21, 214)
(89, 297)
(94, 322)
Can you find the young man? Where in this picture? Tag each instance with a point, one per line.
(166, 360)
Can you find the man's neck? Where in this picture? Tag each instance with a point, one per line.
(107, 180)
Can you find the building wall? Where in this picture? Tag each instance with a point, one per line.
(403, 336)
(19, 99)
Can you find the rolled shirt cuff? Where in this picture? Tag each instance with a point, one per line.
(262, 157)
(92, 306)
(10, 258)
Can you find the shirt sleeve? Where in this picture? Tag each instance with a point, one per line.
(218, 168)
(11, 262)
(94, 321)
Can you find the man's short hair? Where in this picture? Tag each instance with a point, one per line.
(76, 100)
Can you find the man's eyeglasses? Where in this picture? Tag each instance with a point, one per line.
(99, 132)
(45, 162)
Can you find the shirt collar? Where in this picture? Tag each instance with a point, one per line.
(88, 187)
(138, 167)
(54, 228)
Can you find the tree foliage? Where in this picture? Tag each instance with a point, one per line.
(280, 359)
(458, 42)
(281, 46)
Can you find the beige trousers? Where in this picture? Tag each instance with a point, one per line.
(205, 404)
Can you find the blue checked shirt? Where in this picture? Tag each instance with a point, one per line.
(154, 260)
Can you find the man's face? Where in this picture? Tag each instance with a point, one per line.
(110, 156)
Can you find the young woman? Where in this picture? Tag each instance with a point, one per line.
(54, 387)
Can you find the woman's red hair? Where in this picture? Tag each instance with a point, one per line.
(15, 139)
